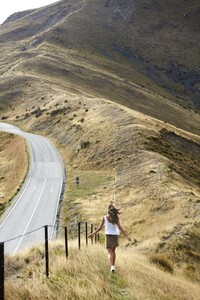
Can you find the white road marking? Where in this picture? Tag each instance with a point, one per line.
(31, 217)
(46, 157)
(16, 203)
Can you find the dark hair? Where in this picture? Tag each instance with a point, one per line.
(113, 213)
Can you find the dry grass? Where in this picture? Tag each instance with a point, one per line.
(123, 156)
(70, 74)
(162, 261)
(182, 245)
(13, 166)
(85, 275)
(91, 183)
(108, 147)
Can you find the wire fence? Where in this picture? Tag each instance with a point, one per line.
(78, 231)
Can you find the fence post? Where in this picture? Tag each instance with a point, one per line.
(2, 271)
(46, 251)
(66, 242)
(86, 233)
(92, 231)
(95, 237)
(79, 235)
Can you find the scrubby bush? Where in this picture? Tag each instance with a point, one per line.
(162, 262)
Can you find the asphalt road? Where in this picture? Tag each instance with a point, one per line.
(36, 205)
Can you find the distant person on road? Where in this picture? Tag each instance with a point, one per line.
(112, 230)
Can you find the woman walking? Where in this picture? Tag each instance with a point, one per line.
(112, 230)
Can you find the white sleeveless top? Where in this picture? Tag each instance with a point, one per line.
(110, 228)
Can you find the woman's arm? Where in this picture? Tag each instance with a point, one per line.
(98, 229)
(123, 231)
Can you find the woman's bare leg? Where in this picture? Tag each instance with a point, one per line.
(112, 255)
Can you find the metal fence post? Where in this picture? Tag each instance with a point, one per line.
(86, 233)
(2, 271)
(66, 242)
(46, 251)
(79, 235)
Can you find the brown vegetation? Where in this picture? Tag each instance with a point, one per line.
(85, 275)
(115, 85)
(13, 166)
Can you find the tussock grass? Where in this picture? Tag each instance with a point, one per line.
(85, 275)
(13, 166)
(89, 184)
(183, 248)
(162, 261)
(89, 181)
(156, 185)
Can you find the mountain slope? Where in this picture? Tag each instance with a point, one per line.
(118, 37)
(115, 85)
(85, 275)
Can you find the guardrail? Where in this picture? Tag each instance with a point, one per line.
(80, 232)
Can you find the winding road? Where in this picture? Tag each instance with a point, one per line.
(37, 203)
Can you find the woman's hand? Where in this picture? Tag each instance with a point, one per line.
(90, 235)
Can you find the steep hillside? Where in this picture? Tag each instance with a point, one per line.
(158, 76)
(115, 84)
(158, 39)
(84, 275)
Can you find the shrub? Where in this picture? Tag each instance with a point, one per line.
(85, 145)
(162, 262)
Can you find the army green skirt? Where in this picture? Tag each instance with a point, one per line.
(111, 241)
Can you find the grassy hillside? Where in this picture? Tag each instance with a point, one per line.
(115, 85)
(83, 43)
(157, 40)
(13, 166)
(85, 275)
